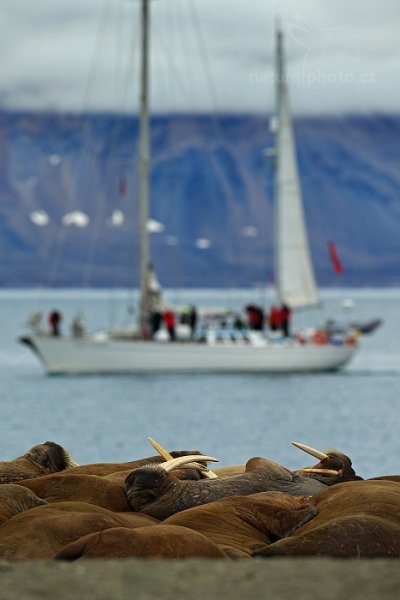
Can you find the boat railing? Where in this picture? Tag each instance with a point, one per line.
(225, 336)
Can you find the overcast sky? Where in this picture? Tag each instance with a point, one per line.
(205, 54)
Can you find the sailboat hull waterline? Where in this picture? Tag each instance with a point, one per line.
(86, 356)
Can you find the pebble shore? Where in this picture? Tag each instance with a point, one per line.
(275, 579)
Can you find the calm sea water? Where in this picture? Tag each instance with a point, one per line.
(231, 417)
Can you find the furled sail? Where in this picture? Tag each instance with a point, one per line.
(293, 268)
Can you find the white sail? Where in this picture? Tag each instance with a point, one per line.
(294, 274)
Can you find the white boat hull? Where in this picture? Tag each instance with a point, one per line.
(74, 356)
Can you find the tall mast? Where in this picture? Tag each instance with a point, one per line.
(279, 83)
(144, 166)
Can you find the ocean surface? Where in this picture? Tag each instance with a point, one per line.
(231, 417)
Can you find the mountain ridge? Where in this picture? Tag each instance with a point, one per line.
(212, 190)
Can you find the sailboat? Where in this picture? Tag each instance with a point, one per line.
(214, 351)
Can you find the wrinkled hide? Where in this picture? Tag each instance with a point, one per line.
(39, 533)
(355, 520)
(157, 541)
(15, 499)
(79, 488)
(154, 492)
(42, 459)
(239, 525)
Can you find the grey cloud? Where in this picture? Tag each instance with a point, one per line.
(50, 63)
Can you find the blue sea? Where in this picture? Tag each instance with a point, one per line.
(231, 417)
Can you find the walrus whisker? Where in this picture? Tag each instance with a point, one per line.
(312, 451)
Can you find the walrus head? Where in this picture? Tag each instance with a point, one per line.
(51, 457)
(333, 466)
(42, 459)
(149, 482)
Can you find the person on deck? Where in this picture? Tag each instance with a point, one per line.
(255, 317)
(78, 328)
(274, 319)
(170, 323)
(285, 319)
(155, 322)
(154, 301)
(55, 318)
(192, 320)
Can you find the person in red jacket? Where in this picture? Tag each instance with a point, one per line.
(170, 322)
(274, 319)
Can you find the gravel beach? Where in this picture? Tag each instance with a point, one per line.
(291, 579)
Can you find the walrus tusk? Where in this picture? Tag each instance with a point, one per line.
(312, 451)
(204, 471)
(196, 466)
(323, 471)
(164, 453)
(175, 463)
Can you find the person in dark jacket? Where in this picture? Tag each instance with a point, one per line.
(192, 320)
(55, 318)
(285, 319)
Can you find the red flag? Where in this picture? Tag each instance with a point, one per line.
(337, 265)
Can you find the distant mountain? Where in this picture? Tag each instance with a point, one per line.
(212, 191)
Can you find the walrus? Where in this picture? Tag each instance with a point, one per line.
(356, 519)
(16, 499)
(42, 459)
(156, 541)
